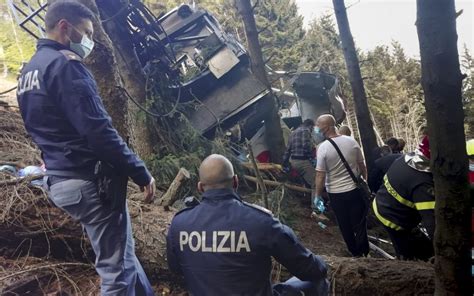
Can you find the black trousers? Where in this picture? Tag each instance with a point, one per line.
(411, 244)
(351, 214)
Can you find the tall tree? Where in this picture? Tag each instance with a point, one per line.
(281, 33)
(114, 22)
(392, 82)
(367, 134)
(442, 82)
(273, 132)
(18, 46)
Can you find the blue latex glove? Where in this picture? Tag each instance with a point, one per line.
(318, 205)
(313, 162)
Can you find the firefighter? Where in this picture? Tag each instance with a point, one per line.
(405, 199)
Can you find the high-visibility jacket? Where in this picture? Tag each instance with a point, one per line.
(406, 198)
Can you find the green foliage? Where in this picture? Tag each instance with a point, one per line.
(391, 79)
(281, 33)
(323, 50)
(180, 144)
(394, 91)
(17, 45)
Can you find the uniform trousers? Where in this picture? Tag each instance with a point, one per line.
(110, 234)
(411, 244)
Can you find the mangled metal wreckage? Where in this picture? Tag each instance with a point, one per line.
(204, 63)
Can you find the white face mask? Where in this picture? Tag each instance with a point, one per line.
(471, 167)
(83, 48)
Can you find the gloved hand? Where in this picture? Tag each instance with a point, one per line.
(286, 167)
(313, 162)
(318, 204)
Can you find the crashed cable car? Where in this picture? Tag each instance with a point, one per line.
(204, 63)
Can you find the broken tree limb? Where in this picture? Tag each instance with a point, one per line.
(276, 184)
(263, 166)
(257, 173)
(171, 194)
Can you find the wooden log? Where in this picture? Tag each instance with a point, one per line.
(370, 276)
(276, 184)
(263, 166)
(171, 194)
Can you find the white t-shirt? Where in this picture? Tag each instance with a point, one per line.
(338, 179)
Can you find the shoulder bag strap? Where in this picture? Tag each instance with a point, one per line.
(348, 168)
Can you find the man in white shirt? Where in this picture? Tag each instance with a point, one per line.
(346, 199)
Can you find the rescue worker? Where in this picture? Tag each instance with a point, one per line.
(299, 152)
(380, 168)
(393, 144)
(223, 246)
(405, 199)
(64, 115)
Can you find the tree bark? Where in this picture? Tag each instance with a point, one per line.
(367, 134)
(114, 14)
(273, 132)
(442, 81)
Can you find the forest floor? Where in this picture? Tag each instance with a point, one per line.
(9, 98)
(44, 253)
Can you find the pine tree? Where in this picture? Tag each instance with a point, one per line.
(281, 33)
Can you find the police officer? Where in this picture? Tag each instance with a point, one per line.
(65, 116)
(405, 199)
(223, 246)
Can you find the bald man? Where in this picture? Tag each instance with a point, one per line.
(347, 200)
(224, 246)
(344, 130)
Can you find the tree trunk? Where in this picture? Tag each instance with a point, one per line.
(273, 132)
(368, 139)
(115, 13)
(52, 233)
(442, 80)
(368, 276)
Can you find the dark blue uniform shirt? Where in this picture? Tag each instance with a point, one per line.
(224, 246)
(64, 115)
